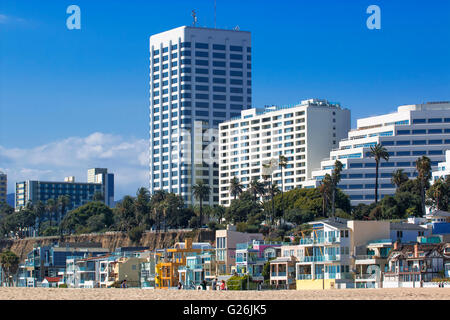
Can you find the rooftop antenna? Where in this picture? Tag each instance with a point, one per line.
(215, 26)
(194, 17)
(236, 28)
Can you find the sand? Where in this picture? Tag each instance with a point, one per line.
(149, 294)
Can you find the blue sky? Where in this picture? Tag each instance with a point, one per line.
(92, 84)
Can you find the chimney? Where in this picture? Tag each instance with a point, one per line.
(416, 250)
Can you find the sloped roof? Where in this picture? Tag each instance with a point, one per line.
(438, 213)
(427, 248)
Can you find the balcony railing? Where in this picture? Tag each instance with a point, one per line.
(323, 258)
(365, 257)
(279, 274)
(319, 240)
(304, 276)
(366, 276)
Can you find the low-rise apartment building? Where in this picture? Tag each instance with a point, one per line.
(226, 241)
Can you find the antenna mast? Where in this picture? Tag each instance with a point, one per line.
(194, 17)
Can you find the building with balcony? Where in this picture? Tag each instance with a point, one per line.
(304, 133)
(199, 267)
(411, 132)
(370, 265)
(326, 256)
(148, 269)
(412, 264)
(252, 256)
(226, 241)
(282, 269)
(408, 232)
(172, 259)
(50, 261)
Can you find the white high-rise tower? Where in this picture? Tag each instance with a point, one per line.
(199, 77)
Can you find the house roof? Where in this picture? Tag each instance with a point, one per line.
(405, 249)
(438, 213)
(339, 223)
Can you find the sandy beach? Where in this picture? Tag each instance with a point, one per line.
(142, 294)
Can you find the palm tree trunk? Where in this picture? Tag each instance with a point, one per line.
(376, 180)
(273, 203)
(201, 205)
(282, 189)
(333, 199)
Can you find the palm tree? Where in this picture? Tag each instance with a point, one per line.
(62, 202)
(423, 167)
(273, 191)
(235, 187)
(335, 178)
(378, 152)
(325, 190)
(438, 195)
(399, 177)
(282, 163)
(256, 188)
(39, 212)
(156, 202)
(9, 262)
(201, 191)
(51, 207)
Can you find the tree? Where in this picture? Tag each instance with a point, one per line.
(62, 202)
(201, 191)
(10, 264)
(423, 167)
(378, 152)
(125, 214)
(438, 195)
(39, 212)
(91, 217)
(335, 179)
(244, 209)
(235, 187)
(399, 177)
(282, 163)
(157, 206)
(325, 190)
(256, 188)
(218, 212)
(98, 196)
(51, 207)
(142, 207)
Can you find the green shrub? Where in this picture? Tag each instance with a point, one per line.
(62, 285)
(135, 234)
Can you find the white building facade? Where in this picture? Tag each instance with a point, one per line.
(199, 77)
(304, 133)
(443, 169)
(411, 132)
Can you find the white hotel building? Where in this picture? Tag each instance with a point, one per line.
(411, 132)
(304, 133)
(443, 169)
(199, 77)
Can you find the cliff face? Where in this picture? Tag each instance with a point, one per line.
(109, 240)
